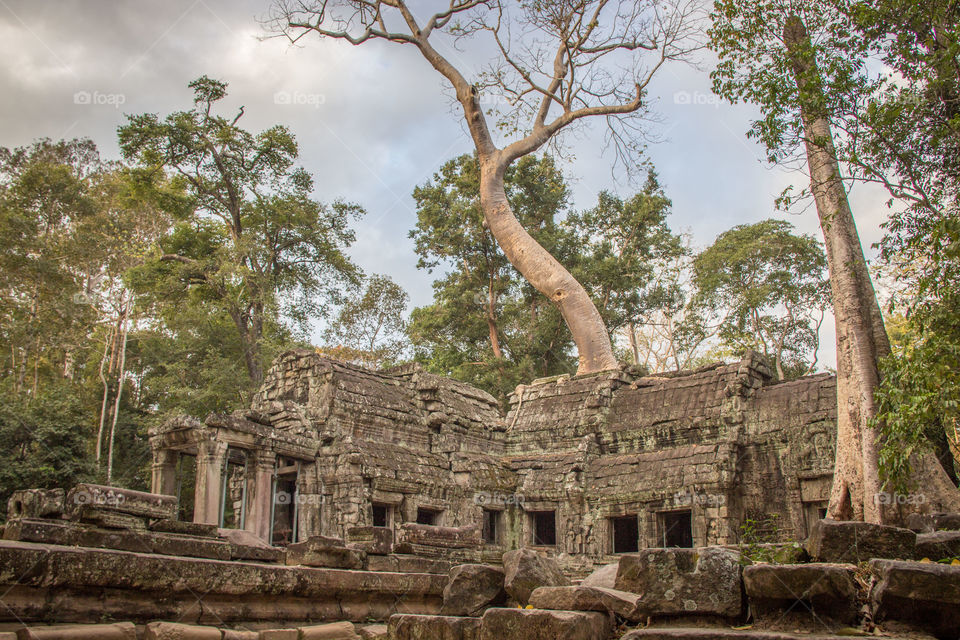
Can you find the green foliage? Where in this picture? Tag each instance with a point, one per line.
(43, 439)
(773, 283)
(370, 326)
(252, 244)
(760, 542)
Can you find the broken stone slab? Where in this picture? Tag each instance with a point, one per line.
(318, 551)
(471, 589)
(279, 634)
(702, 633)
(854, 542)
(938, 545)
(372, 631)
(405, 626)
(330, 631)
(116, 631)
(184, 528)
(373, 540)
(605, 576)
(525, 570)
(626, 605)
(401, 563)
(134, 503)
(36, 503)
(109, 519)
(177, 631)
(79, 534)
(702, 581)
(244, 545)
(540, 624)
(411, 533)
(925, 595)
(236, 634)
(930, 522)
(827, 590)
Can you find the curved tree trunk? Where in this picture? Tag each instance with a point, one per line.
(861, 337)
(545, 273)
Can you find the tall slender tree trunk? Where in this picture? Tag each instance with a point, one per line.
(861, 337)
(108, 339)
(121, 376)
(634, 347)
(492, 323)
(544, 272)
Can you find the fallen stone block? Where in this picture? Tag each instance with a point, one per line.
(373, 631)
(318, 551)
(420, 627)
(626, 605)
(135, 503)
(331, 631)
(109, 519)
(373, 540)
(827, 590)
(946, 521)
(116, 631)
(605, 576)
(36, 503)
(246, 546)
(176, 631)
(236, 634)
(930, 522)
(923, 594)
(185, 528)
(701, 633)
(525, 570)
(471, 589)
(540, 624)
(702, 581)
(408, 564)
(854, 542)
(411, 533)
(938, 545)
(279, 634)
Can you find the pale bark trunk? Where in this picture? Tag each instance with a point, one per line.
(861, 337)
(634, 347)
(492, 324)
(545, 273)
(116, 407)
(103, 404)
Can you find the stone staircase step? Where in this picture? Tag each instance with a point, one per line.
(701, 633)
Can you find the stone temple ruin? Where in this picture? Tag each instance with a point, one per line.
(583, 467)
(398, 504)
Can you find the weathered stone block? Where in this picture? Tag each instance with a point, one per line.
(331, 631)
(246, 546)
(373, 631)
(539, 624)
(420, 627)
(279, 634)
(175, 631)
(36, 503)
(823, 589)
(185, 528)
(471, 589)
(135, 503)
(318, 551)
(410, 534)
(938, 545)
(923, 594)
(626, 605)
(116, 631)
(235, 634)
(408, 564)
(605, 576)
(525, 570)
(684, 581)
(373, 540)
(854, 542)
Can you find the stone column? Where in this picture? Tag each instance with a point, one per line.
(260, 469)
(164, 477)
(209, 486)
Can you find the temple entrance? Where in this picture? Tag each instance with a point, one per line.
(186, 486)
(626, 534)
(233, 490)
(283, 530)
(544, 528)
(676, 528)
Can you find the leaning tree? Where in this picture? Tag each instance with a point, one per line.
(555, 65)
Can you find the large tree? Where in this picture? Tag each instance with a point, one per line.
(557, 64)
(773, 282)
(768, 57)
(252, 242)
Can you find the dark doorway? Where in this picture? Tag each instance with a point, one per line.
(626, 534)
(428, 516)
(544, 528)
(284, 511)
(186, 485)
(677, 529)
(491, 526)
(381, 515)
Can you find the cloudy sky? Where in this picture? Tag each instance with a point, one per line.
(372, 121)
